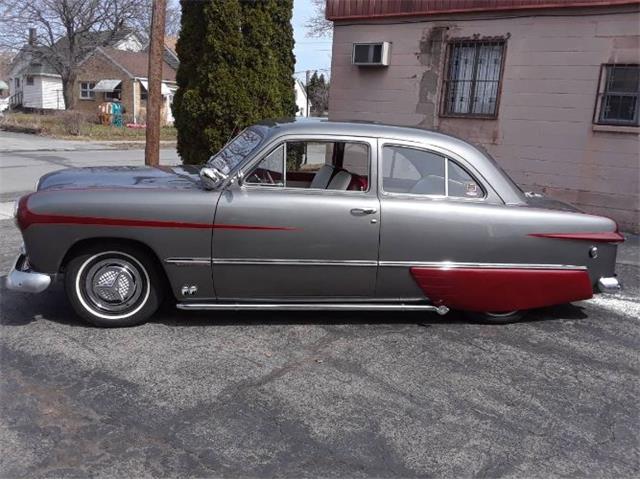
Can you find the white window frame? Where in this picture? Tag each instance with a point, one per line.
(86, 90)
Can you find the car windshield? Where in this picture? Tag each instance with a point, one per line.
(237, 150)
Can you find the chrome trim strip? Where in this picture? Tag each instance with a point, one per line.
(186, 261)
(447, 265)
(314, 307)
(294, 262)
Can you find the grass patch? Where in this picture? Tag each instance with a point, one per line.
(75, 125)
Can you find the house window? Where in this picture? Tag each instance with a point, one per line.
(473, 76)
(17, 82)
(617, 100)
(29, 80)
(86, 90)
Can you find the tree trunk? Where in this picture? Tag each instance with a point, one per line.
(68, 91)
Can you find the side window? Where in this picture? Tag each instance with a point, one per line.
(327, 165)
(419, 172)
(307, 157)
(461, 184)
(407, 170)
(270, 169)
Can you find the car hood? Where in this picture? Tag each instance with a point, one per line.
(182, 177)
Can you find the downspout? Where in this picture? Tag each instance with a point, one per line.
(135, 100)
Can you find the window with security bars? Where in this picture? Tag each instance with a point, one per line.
(472, 83)
(618, 95)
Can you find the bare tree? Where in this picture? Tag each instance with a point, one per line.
(64, 32)
(318, 25)
(172, 18)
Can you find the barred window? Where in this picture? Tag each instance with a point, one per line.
(472, 82)
(618, 95)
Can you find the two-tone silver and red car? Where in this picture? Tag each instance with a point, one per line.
(311, 215)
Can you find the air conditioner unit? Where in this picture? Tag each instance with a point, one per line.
(371, 54)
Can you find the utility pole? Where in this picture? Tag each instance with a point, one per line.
(154, 98)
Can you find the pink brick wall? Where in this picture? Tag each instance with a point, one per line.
(543, 135)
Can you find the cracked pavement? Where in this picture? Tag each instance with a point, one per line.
(319, 394)
(270, 394)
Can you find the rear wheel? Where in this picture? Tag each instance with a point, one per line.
(113, 286)
(497, 317)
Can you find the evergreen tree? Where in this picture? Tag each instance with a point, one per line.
(318, 90)
(236, 67)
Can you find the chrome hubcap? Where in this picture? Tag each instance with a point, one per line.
(113, 285)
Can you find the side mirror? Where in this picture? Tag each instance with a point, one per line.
(212, 178)
(240, 178)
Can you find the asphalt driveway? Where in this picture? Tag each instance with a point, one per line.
(319, 394)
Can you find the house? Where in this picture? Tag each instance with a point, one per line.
(115, 72)
(35, 84)
(303, 105)
(549, 88)
(110, 74)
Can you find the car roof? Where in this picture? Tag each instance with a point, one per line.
(356, 128)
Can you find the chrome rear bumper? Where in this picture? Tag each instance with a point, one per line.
(23, 279)
(609, 285)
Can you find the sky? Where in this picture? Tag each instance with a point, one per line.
(311, 53)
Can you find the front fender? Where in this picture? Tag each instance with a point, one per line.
(170, 223)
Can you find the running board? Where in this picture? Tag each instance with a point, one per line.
(441, 310)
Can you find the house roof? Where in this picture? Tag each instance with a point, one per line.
(32, 60)
(136, 64)
(370, 9)
(101, 38)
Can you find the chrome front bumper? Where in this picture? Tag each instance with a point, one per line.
(23, 279)
(609, 285)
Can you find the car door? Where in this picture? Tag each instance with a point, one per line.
(436, 212)
(303, 224)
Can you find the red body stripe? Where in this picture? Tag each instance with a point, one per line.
(26, 218)
(590, 236)
(501, 290)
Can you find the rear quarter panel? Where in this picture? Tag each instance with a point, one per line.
(420, 229)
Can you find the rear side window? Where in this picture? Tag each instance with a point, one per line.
(420, 172)
(460, 183)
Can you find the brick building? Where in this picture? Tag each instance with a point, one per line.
(549, 88)
(110, 74)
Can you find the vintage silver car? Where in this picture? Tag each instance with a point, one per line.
(311, 216)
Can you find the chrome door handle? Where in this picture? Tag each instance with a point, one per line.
(363, 211)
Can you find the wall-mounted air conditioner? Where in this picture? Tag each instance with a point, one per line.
(371, 54)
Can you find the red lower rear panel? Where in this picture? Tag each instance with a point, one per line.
(501, 290)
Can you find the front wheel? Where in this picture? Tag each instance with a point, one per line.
(496, 317)
(113, 287)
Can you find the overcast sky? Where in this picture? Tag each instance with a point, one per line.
(311, 53)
